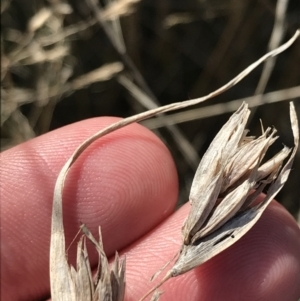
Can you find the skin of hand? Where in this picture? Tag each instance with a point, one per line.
(127, 183)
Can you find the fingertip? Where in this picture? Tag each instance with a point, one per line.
(125, 182)
(263, 265)
(129, 179)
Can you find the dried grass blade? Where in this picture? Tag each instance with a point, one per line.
(283, 175)
(118, 8)
(117, 279)
(62, 285)
(83, 274)
(253, 196)
(273, 163)
(103, 73)
(245, 158)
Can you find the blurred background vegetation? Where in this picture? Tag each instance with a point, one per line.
(65, 61)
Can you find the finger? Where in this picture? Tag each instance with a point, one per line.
(263, 265)
(126, 182)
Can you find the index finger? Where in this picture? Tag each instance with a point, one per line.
(126, 182)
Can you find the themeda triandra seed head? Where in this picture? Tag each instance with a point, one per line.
(229, 178)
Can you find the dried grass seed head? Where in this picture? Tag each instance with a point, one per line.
(229, 215)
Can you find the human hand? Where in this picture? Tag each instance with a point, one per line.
(126, 182)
